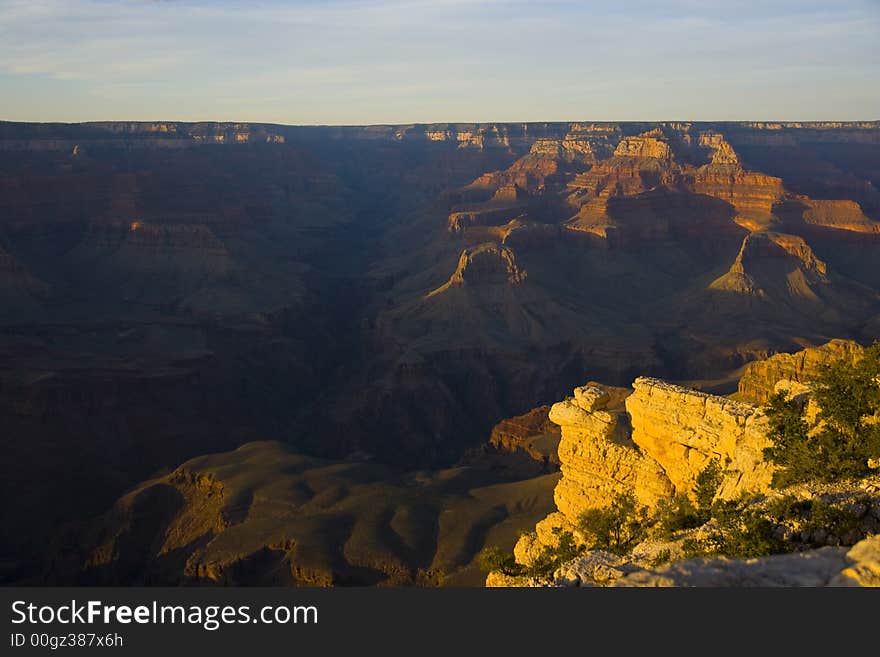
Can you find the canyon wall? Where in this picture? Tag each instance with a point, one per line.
(288, 273)
(759, 379)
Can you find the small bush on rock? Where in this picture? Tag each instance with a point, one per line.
(848, 397)
(618, 527)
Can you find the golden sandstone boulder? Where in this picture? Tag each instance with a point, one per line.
(598, 459)
(655, 448)
(684, 429)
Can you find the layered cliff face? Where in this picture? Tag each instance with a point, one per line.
(278, 281)
(841, 215)
(646, 145)
(568, 149)
(684, 429)
(639, 164)
(532, 433)
(752, 194)
(759, 379)
(720, 150)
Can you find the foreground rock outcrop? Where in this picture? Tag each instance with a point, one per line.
(656, 446)
(856, 566)
(599, 458)
(685, 429)
(830, 566)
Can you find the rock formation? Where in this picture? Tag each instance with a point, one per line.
(683, 429)
(751, 273)
(278, 282)
(721, 151)
(598, 458)
(650, 144)
(568, 149)
(856, 566)
(655, 448)
(485, 264)
(752, 194)
(263, 514)
(840, 215)
(532, 433)
(760, 378)
(459, 221)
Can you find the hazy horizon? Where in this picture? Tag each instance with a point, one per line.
(440, 122)
(395, 62)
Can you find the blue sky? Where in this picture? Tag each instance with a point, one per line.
(402, 61)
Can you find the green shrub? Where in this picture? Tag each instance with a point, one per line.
(553, 556)
(663, 556)
(494, 558)
(691, 547)
(679, 513)
(676, 514)
(847, 395)
(781, 525)
(739, 533)
(546, 562)
(750, 535)
(618, 527)
(787, 508)
(834, 520)
(707, 484)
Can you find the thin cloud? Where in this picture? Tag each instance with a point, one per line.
(438, 59)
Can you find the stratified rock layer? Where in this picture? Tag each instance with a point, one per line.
(532, 433)
(684, 429)
(598, 460)
(759, 379)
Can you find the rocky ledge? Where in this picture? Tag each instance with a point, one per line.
(828, 566)
(655, 447)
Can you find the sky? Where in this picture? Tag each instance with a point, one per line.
(418, 61)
